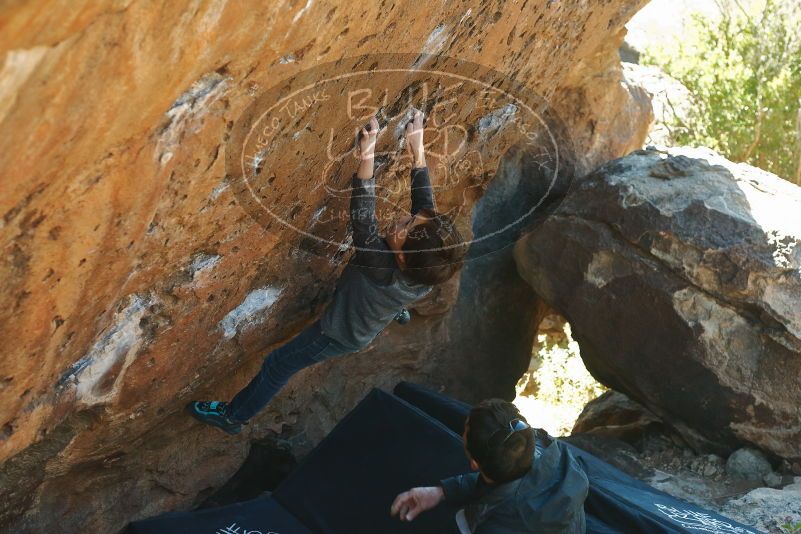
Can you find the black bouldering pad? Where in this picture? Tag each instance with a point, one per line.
(388, 444)
(383, 447)
(616, 502)
(262, 515)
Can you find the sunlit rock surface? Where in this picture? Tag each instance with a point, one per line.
(671, 100)
(680, 274)
(770, 510)
(133, 281)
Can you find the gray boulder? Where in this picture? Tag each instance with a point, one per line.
(680, 274)
(748, 464)
(628, 53)
(672, 102)
(769, 510)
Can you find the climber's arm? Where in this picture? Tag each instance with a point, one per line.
(362, 196)
(371, 250)
(362, 214)
(422, 195)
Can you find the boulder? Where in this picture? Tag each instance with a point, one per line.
(629, 53)
(671, 100)
(136, 278)
(773, 480)
(607, 118)
(680, 275)
(616, 416)
(769, 510)
(748, 464)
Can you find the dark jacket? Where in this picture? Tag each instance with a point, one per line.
(372, 289)
(549, 499)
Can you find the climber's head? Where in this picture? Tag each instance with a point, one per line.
(427, 246)
(497, 440)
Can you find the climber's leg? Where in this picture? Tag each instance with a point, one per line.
(307, 348)
(213, 413)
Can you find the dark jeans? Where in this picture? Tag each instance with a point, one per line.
(307, 348)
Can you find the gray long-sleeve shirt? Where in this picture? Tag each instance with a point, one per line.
(548, 499)
(372, 289)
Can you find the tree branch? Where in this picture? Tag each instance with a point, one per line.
(798, 144)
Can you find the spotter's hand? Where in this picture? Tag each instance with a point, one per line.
(412, 503)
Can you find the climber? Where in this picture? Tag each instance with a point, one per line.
(421, 249)
(516, 488)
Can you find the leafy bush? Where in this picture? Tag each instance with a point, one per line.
(562, 385)
(744, 71)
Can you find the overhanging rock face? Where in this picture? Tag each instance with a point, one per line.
(134, 281)
(680, 274)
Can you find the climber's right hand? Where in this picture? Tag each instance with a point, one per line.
(367, 136)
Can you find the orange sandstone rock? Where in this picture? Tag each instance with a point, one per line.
(133, 281)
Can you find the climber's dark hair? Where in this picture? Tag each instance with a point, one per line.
(434, 249)
(486, 427)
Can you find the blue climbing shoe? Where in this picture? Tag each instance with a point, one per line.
(213, 413)
(403, 316)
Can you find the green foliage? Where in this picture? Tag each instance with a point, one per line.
(744, 71)
(792, 528)
(562, 385)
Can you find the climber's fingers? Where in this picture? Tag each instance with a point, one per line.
(373, 125)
